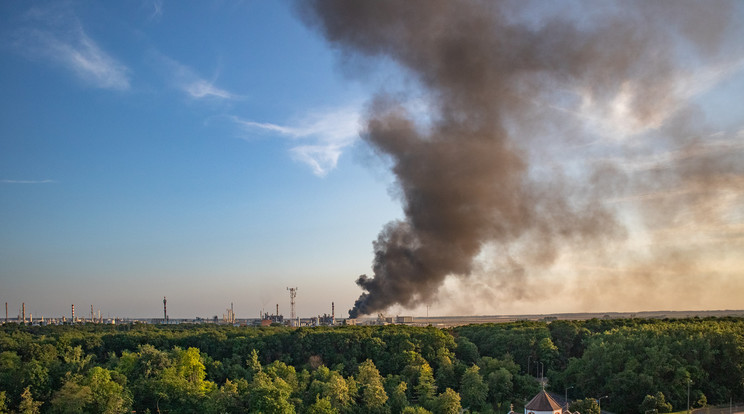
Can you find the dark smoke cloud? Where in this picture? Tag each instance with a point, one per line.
(480, 171)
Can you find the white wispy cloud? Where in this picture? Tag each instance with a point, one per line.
(188, 81)
(157, 9)
(321, 158)
(57, 35)
(321, 137)
(27, 181)
(201, 89)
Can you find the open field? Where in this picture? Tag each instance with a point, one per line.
(447, 321)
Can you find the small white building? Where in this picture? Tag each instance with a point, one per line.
(543, 404)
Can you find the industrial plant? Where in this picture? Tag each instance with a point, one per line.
(275, 318)
(265, 318)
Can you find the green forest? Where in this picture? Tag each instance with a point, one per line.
(640, 365)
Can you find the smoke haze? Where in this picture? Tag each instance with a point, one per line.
(555, 142)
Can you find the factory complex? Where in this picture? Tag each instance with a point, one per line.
(228, 318)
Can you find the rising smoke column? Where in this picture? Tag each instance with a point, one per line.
(469, 176)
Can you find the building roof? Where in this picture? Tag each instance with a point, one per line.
(542, 402)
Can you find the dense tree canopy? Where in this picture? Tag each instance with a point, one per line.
(641, 365)
(585, 406)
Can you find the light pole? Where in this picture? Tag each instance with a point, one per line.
(565, 396)
(542, 374)
(689, 381)
(540, 371)
(599, 403)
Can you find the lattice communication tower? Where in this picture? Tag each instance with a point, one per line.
(292, 296)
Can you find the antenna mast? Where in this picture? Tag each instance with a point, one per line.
(292, 296)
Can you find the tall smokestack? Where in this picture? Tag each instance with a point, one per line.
(23, 312)
(6, 312)
(73, 314)
(333, 313)
(165, 311)
(483, 146)
(277, 309)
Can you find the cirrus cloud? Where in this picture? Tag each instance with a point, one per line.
(320, 137)
(56, 34)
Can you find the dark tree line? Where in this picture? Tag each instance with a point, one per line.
(628, 360)
(375, 369)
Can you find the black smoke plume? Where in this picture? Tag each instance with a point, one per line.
(477, 172)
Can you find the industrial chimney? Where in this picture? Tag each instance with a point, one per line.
(73, 314)
(165, 311)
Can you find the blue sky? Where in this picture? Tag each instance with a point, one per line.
(209, 153)
(130, 169)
